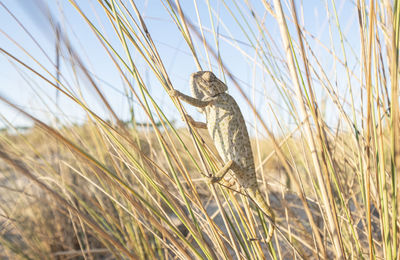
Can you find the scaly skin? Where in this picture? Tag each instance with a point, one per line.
(227, 128)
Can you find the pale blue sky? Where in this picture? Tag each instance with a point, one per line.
(170, 44)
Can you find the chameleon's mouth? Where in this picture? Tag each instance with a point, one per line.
(195, 88)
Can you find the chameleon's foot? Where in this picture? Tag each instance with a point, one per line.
(190, 119)
(213, 179)
(173, 93)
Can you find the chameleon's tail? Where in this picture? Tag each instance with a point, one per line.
(255, 194)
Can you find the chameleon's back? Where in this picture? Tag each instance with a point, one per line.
(228, 130)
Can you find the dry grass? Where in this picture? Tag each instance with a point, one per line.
(31, 215)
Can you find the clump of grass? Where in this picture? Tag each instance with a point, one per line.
(109, 188)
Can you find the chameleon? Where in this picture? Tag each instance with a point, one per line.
(227, 128)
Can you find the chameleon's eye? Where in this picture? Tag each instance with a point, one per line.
(208, 76)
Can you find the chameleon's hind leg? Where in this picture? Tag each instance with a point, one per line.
(231, 165)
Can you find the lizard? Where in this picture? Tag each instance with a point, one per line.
(227, 128)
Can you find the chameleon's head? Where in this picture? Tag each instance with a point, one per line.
(206, 83)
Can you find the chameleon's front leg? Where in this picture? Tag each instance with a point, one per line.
(195, 123)
(188, 99)
(194, 102)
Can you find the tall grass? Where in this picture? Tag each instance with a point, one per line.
(328, 155)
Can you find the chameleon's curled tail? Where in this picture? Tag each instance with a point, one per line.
(255, 194)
